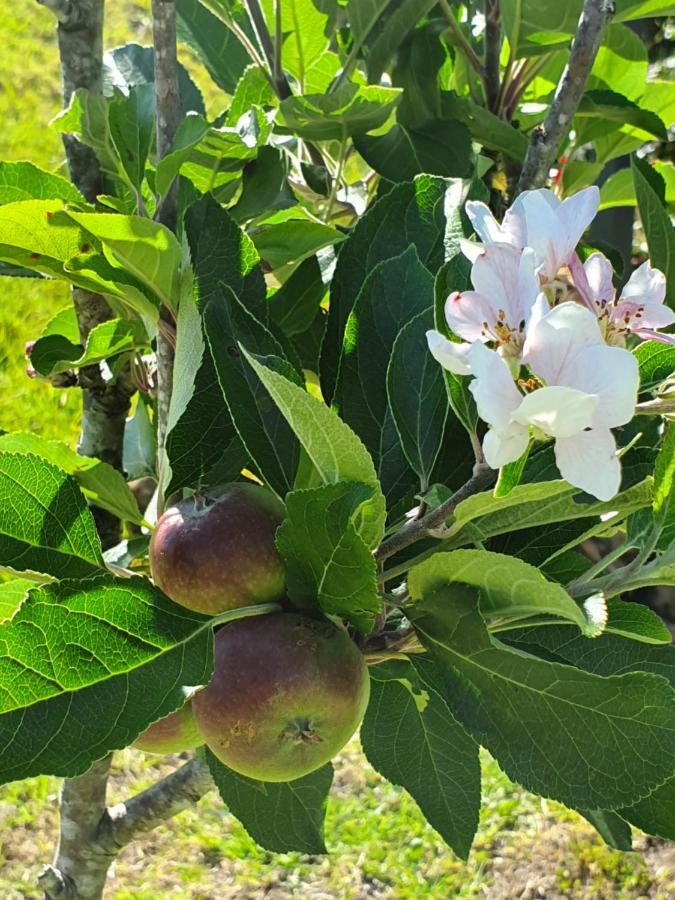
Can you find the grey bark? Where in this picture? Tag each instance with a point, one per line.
(546, 140)
(492, 50)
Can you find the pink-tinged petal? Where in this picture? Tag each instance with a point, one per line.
(484, 223)
(648, 335)
(580, 279)
(470, 315)
(506, 278)
(589, 461)
(645, 286)
(633, 315)
(493, 389)
(450, 355)
(502, 447)
(556, 337)
(557, 411)
(574, 216)
(610, 372)
(598, 271)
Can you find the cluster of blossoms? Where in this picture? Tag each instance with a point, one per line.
(545, 336)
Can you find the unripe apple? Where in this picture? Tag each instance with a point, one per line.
(215, 551)
(287, 693)
(172, 734)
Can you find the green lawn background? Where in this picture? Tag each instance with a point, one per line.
(379, 844)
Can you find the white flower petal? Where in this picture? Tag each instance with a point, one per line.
(589, 461)
(484, 223)
(534, 215)
(610, 372)
(471, 249)
(598, 271)
(557, 411)
(470, 315)
(553, 339)
(493, 389)
(503, 447)
(450, 355)
(575, 214)
(645, 285)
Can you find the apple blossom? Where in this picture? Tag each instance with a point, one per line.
(579, 390)
(639, 310)
(537, 219)
(496, 312)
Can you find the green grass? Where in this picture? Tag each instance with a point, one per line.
(380, 845)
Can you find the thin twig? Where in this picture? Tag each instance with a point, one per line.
(458, 35)
(492, 51)
(417, 529)
(545, 140)
(255, 13)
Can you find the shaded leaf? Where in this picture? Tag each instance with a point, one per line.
(279, 816)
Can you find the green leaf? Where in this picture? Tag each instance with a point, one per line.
(252, 89)
(379, 27)
(509, 588)
(586, 740)
(281, 817)
(216, 46)
(437, 147)
(608, 107)
(146, 249)
(656, 813)
(25, 181)
(45, 525)
(202, 444)
(657, 363)
(608, 654)
(119, 129)
(659, 230)
(335, 451)
(56, 353)
(488, 129)
(127, 66)
(635, 621)
(305, 40)
(117, 646)
(290, 237)
(191, 130)
(263, 430)
(536, 504)
(394, 292)
(326, 559)
(12, 595)
(139, 457)
(216, 160)
(298, 299)
(614, 830)
(621, 63)
(100, 483)
(410, 213)
(265, 186)
(417, 396)
(350, 110)
(410, 736)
